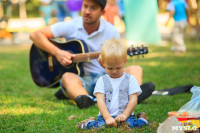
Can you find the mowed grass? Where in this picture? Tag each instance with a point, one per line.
(25, 107)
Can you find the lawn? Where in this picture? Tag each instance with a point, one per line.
(25, 107)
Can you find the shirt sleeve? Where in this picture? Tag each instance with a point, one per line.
(99, 88)
(134, 86)
(62, 29)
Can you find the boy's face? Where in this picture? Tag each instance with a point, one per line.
(115, 67)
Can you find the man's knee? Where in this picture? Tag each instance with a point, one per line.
(139, 69)
(67, 78)
(134, 69)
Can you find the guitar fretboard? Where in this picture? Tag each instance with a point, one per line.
(85, 57)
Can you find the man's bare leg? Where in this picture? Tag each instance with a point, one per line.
(147, 88)
(73, 85)
(75, 90)
(135, 71)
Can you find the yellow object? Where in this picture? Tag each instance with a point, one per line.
(119, 24)
(25, 25)
(170, 25)
(191, 123)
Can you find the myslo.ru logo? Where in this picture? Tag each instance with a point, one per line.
(176, 128)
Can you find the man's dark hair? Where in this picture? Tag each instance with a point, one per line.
(102, 3)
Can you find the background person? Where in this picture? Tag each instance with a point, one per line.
(47, 11)
(178, 9)
(62, 10)
(111, 10)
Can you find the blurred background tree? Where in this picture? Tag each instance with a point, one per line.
(30, 5)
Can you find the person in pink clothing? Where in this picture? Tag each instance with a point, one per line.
(111, 10)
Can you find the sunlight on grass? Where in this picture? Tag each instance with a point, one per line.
(23, 105)
(14, 48)
(152, 64)
(19, 111)
(157, 54)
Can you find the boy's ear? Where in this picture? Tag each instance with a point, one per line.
(103, 65)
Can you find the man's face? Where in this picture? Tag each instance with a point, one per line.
(91, 11)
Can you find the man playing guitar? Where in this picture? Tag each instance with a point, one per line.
(94, 31)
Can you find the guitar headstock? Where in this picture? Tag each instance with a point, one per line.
(131, 51)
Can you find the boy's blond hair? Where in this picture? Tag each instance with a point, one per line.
(113, 49)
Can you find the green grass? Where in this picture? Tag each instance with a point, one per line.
(24, 107)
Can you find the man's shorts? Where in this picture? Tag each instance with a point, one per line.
(89, 81)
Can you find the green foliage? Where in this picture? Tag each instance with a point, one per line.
(32, 8)
(24, 107)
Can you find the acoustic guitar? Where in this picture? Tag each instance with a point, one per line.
(46, 71)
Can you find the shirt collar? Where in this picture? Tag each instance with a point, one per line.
(80, 25)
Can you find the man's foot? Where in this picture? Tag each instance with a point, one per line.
(142, 115)
(147, 89)
(60, 95)
(84, 101)
(83, 124)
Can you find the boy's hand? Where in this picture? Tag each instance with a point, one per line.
(110, 122)
(121, 118)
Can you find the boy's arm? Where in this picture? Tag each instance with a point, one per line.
(104, 111)
(129, 109)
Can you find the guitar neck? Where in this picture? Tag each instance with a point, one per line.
(85, 57)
